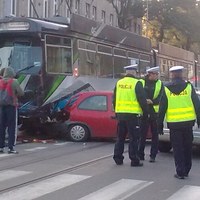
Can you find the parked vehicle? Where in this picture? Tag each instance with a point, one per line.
(164, 140)
(91, 115)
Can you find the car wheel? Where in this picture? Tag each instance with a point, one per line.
(78, 133)
(164, 147)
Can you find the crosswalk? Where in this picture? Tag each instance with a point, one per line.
(121, 189)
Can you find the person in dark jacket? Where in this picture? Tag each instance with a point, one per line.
(129, 103)
(10, 90)
(153, 88)
(180, 106)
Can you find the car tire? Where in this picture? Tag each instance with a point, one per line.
(164, 147)
(78, 133)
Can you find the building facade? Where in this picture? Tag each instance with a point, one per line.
(97, 10)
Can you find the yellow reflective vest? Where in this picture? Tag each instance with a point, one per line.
(180, 106)
(126, 101)
(157, 90)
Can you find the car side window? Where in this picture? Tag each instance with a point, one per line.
(94, 103)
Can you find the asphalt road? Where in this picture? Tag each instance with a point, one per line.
(86, 171)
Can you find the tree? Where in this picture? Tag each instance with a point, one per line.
(126, 10)
(177, 22)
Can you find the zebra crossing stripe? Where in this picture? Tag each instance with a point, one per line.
(5, 155)
(41, 188)
(120, 190)
(188, 192)
(9, 174)
(35, 149)
(62, 143)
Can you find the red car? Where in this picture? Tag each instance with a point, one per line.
(91, 115)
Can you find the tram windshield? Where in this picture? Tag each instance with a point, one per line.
(24, 55)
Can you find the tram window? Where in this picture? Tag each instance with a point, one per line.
(119, 64)
(58, 41)
(143, 64)
(59, 60)
(84, 45)
(104, 49)
(105, 65)
(87, 63)
(144, 57)
(81, 44)
(133, 55)
(119, 52)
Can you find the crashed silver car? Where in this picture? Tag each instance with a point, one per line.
(165, 144)
(164, 140)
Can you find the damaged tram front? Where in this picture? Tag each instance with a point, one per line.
(55, 58)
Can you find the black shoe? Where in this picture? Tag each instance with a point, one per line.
(152, 160)
(118, 161)
(133, 164)
(179, 177)
(12, 151)
(186, 175)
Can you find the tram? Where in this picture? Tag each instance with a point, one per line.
(57, 57)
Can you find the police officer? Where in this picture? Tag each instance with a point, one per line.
(153, 89)
(180, 105)
(129, 102)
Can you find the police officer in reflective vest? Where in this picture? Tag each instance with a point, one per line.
(129, 102)
(180, 105)
(153, 88)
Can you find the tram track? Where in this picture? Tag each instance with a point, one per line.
(46, 157)
(53, 174)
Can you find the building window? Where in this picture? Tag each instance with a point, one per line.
(30, 9)
(94, 12)
(103, 16)
(111, 20)
(135, 27)
(77, 6)
(13, 7)
(87, 9)
(45, 10)
(139, 29)
(68, 9)
(55, 8)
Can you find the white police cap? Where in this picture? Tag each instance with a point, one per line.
(153, 69)
(176, 68)
(131, 67)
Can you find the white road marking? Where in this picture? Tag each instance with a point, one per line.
(9, 174)
(119, 190)
(35, 149)
(5, 155)
(41, 188)
(188, 192)
(62, 143)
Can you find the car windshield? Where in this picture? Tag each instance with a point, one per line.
(21, 55)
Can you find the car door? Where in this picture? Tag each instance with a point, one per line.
(97, 113)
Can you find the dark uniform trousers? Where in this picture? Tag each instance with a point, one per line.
(124, 127)
(8, 120)
(145, 123)
(181, 140)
